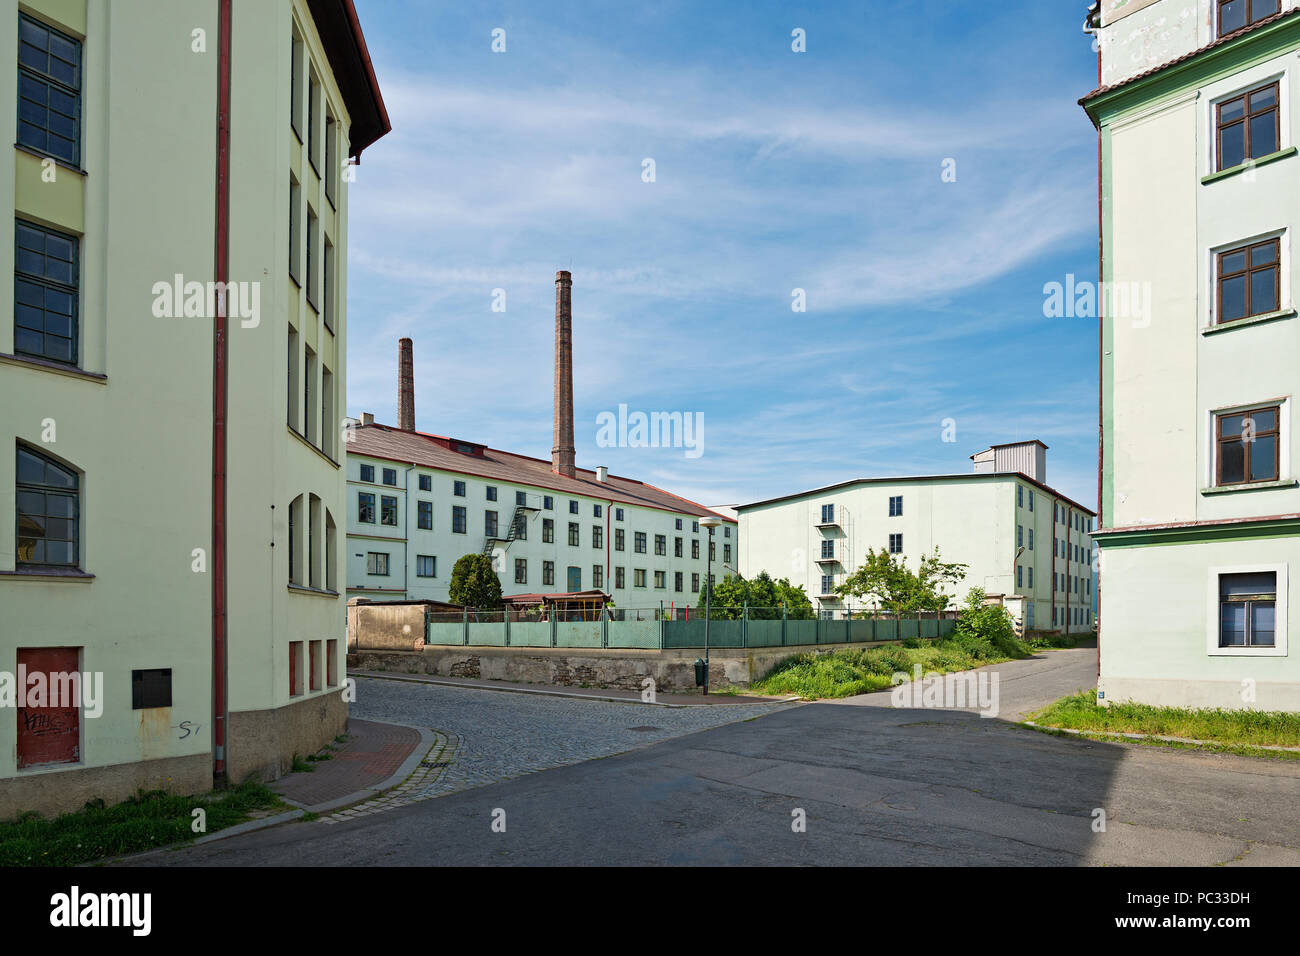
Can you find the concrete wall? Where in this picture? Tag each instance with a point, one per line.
(391, 627)
(264, 742)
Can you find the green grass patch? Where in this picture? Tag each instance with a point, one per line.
(861, 671)
(1229, 728)
(145, 821)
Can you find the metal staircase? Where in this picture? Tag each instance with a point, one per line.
(520, 516)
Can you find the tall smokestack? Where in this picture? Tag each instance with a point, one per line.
(405, 387)
(562, 451)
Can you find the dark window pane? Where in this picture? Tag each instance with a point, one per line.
(1263, 134)
(60, 505)
(1232, 110)
(29, 31)
(1232, 625)
(28, 293)
(1264, 254)
(1263, 291)
(1232, 146)
(58, 552)
(1262, 452)
(31, 502)
(1264, 582)
(31, 470)
(1233, 304)
(1262, 8)
(28, 318)
(1232, 463)
(1262, 618)
(1232, 16)
(28, 342)
(1232, 262)
(1264, 421)
(57, 477)
(58, 349)
(1263, 99)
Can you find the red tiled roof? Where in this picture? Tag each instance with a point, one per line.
(383, 441)
(1281, 15)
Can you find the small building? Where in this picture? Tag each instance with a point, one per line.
(1017, 535)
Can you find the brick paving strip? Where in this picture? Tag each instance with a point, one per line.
(368, 762)
(615, 694)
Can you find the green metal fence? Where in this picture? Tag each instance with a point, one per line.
(659, 630)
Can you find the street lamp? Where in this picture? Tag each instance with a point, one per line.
(710, 523)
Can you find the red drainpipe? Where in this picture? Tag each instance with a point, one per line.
(220, 354)
(1101, 358)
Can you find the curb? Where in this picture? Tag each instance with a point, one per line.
(408, 766)
(1177, 740)
(445, 682)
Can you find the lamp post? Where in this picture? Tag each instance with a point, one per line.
(710, 522)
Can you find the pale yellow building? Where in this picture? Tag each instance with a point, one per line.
(171, 489)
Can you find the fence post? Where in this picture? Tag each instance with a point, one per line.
(848, 623)
(744, 625)
(464, 626)
(783, 624)
(551, 614)
(505, 619)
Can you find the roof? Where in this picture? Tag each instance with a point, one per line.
(975, 476)
(1220, 41)
(423, 449)
(593, 595)
(1009, 444)
(345, 47)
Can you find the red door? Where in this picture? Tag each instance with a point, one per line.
(49, 734)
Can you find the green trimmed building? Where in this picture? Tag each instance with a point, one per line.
(1198, 495)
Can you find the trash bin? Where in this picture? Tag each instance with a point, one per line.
(701, 673)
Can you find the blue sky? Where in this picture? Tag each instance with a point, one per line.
(774, 171)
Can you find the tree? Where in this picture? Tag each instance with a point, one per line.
(762, 595)
(474, 583)
(886, 581)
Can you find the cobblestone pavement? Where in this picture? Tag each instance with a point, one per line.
(484, 736)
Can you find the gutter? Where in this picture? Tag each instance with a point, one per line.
(220, 376)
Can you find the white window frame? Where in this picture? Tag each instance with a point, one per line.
(1279, 649)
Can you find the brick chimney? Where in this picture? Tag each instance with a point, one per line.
(562, 451)
(405, 387)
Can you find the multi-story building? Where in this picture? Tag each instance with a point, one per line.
(417, 502)
(171, 527)
(1019, 538)
(1199, 198)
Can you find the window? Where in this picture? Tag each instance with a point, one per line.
(365, 507)
(390, 476)
(1031, 500)
(295, 231)
(49, 91)
(597, 511)
(726, 554)
(491, 492)
(597, 576)
(695, 548)
(1020, 496)
(313, 265)
(638, 578)
(548, 503)
(309, 405)
(828, 584)
(661, 544)
(548, 531)
(426, 566)
(295, 400)
(661, 579)
(521, 527)
(48, 511)
(713, 550)
(828, 549)
(424, 518)
(618, 514)
(1247, 127)
(1247, 609)
(295, 85)
(828, 515)
(1248, 445)
(618, 539)
(295, 541)
(895, 506)
(388, 510)
(574, 534)
(677, 581)
(1031, 578)
(575, 579)
(313, 119)
(678, 524)
(458, 489)
(1031, 539)
(695, 583)
(1237, 14)
(457, 519)
(521, 570)
(677, 547)
(327, 311)
(726, 531)
(597, 536)
(151, 688)
(521, 499)
(638, 542)
(426, 481)
(1020, 576)
(895, 544)
(377, 563)
(1249, 281)
(327, 432)
(490, 523)
(573, 507)
(45, 293)
(1020, 535)
(548, 574)
(331, 156)
(620, 580)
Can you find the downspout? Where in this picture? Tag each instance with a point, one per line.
(1095, 31)
(220, 355)
(1055, 512)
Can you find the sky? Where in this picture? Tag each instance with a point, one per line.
(921, 171)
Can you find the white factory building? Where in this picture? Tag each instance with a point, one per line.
(1020, 538)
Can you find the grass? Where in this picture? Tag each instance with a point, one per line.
(1227, 728)
(861, 671)
(145, 821)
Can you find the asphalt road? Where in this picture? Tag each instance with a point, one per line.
(876, 786)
